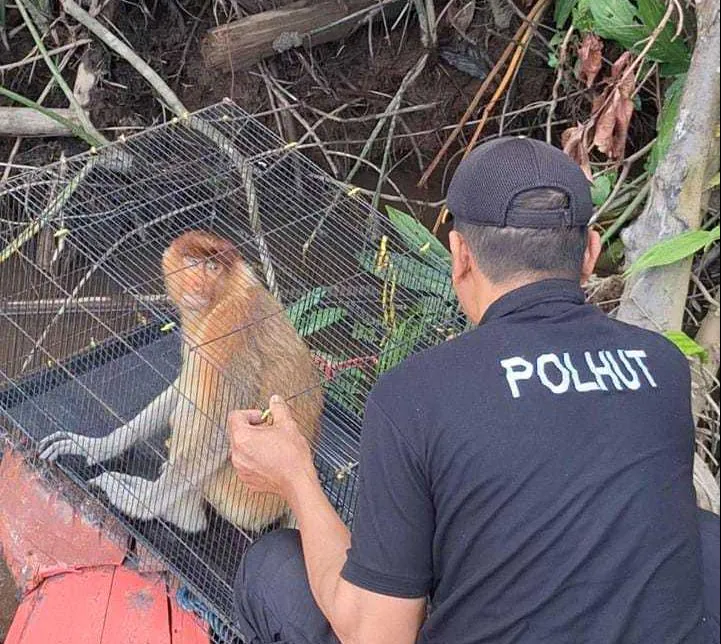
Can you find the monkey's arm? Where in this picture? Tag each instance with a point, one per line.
(147, 423)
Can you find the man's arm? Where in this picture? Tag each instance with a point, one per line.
(277, 459)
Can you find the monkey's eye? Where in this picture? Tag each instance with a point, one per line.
(211, 265)
(190, 261)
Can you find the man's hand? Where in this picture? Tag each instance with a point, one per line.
(269, 458)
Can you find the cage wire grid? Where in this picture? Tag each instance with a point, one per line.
(89, 336)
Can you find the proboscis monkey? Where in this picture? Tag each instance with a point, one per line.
(239, 348)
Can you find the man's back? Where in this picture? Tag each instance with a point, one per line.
(546, 456)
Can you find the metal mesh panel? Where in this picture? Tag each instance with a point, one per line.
(91, 338)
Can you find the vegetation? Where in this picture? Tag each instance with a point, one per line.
(397, 94)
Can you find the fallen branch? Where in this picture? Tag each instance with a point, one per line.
(31, 123)
(243, 43)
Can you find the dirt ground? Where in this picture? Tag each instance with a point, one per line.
(8, 599)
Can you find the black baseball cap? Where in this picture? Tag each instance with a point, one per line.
(493, 174)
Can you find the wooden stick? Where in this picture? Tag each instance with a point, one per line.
(30, 123)
(505, 81)
(245, 42)
(512, 46)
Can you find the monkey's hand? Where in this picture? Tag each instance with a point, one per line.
(95, 450)
(132, 495)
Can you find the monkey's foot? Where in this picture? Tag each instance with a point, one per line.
(59, 443)
(132, 495)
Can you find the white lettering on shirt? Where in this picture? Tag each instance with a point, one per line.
(604, 370)
(516, 369)
(541, 366)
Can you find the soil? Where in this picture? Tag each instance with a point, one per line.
(8, 599)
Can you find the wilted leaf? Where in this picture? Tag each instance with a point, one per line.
(666, 123)
(563, 11)
(574, 145)
(675, 249)
(460, 14)
(616, 111)
(688, 346)
(590, 54)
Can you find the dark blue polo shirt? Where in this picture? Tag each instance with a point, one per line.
(533, 477)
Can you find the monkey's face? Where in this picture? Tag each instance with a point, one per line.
(197, 267)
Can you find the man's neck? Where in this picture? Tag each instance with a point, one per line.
(489, 292)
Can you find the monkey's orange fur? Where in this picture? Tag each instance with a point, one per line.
(239, 348)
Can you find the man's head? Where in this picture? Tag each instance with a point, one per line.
(520, 212)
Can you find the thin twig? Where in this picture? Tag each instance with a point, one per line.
(52, 52)
(510, 48)
(82, 115)
(563, 54)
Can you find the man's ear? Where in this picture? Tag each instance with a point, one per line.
(590, 255)
(460, 256)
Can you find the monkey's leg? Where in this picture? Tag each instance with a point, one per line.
(148, 422)
(140, 498)
(188, 513)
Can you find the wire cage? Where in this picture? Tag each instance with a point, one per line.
(90, 336)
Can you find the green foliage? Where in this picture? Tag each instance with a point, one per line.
(713, 182)
(630, 25)
(416, 235)
(408, 272)
(319, 319)
(582, 16)
(562, 12)
(602, 186)
(310, 300)
(688, 346)
(346, 389)
(666, 122)
(675, 249)
(400, 342)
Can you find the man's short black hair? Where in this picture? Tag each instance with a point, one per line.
(506, 253)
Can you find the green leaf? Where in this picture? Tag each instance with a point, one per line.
(675, 249)
(673, 53)
(688, 346)
(602, 186)
(562, 12)
(415, 234)
(410, 273)
(582, 18)
(364, 332)
(617, 20)
(713, 182)
(346, 389)
(319, 319)
(400, 343)
(310, 300)
(666, 123)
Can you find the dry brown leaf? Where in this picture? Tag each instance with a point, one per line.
(574, 145)
(614, 111)
(590, 56)
(460, 14)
